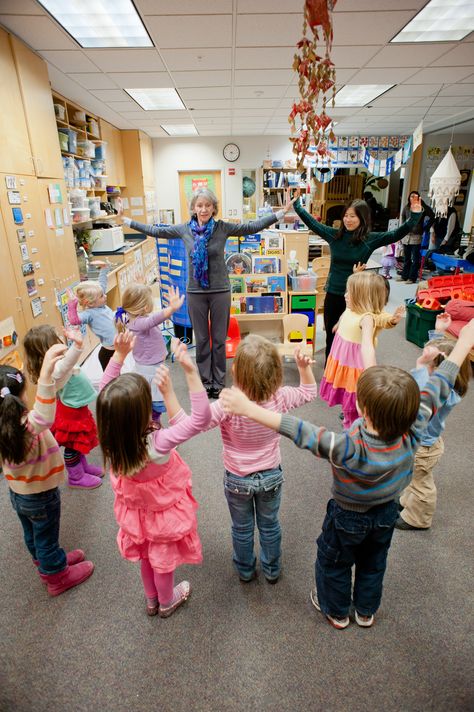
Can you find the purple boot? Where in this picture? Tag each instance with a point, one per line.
(91, 469)
(80, 479)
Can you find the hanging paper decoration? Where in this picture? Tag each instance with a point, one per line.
(317, 75)
(444, 184)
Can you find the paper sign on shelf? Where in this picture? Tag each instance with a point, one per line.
(136, 201)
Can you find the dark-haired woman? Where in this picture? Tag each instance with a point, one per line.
(412, 241)
(351, 244)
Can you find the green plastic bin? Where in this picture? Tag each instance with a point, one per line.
(303, 301)
(419, 322)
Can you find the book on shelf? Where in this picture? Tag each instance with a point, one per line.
(272, 244)
(265, 265)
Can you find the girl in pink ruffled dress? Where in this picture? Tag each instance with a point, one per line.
(154, 505)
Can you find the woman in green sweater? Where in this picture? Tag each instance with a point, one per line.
(351, 244)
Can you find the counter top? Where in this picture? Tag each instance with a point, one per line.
(131, 241)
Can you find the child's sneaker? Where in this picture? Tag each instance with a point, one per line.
(181, 593)
(338, 623)
(364, 621)
(152, 606)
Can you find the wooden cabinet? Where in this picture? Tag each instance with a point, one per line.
(114, 154)
(36, 94)
(139, 176)
(15, 153)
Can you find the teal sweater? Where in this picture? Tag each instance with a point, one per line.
(344, 255)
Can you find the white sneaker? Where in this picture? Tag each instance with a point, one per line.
(338, 623)
(364, 621)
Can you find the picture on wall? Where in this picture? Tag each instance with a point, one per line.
(27, 269)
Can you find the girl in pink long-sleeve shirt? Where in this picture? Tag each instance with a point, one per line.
(253, 476)
(154, 505)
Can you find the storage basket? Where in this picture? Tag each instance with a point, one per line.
(419, 322)
(303, 283)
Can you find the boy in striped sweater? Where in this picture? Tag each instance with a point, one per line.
(371, 465)
(34, 468)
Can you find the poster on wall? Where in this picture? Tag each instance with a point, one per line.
(199, 184)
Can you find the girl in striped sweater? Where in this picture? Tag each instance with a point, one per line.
(253, 476)
(34, 469)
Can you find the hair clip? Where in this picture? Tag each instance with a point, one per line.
(5, 391)
(17, 376)
(121, 315)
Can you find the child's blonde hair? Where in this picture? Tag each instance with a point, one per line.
(367, 292)
(257, 368)
(137, 300)
(87, 293)
(461, 384)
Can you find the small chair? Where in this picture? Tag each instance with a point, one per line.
(295, 322)
(233, 338)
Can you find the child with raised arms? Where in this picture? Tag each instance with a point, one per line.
(154, 505)
(34, 469)
(253, 475)
(370, 467)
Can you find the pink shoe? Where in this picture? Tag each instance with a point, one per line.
(80, 479)
(70, 577)
(181, 593)
(91, 469)
(72, 557)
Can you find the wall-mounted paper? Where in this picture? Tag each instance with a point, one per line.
(49, 218)
(136, 212)
(136, 201)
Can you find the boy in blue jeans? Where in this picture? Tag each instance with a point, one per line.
(371, 464)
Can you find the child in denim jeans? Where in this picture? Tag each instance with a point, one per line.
(253, 475)
(371, 464)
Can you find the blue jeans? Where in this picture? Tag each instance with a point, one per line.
(411, 262)
(39, 515)
(353, 538)
(255, 497)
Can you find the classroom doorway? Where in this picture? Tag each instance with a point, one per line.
(189, 181)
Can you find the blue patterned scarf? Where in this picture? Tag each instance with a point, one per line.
(199, 256)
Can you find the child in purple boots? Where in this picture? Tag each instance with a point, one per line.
(34, 469)
(74, 426)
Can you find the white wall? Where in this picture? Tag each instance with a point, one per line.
(205, 154)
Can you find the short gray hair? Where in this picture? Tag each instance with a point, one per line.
(207, 195)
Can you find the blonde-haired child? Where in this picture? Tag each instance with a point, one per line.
(253, 476)
(154, 505)
(91, 297)
(419, 498)
(34, 469)
(74, 426)
(136, 314)
(370, 466)
(353, 348)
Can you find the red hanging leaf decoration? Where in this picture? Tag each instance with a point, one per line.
(317, 76)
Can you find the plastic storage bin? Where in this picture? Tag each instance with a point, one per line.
(60, 112)
(63, 140)
(305, 301)
(303, 283)
(80, 214)
(419, 322)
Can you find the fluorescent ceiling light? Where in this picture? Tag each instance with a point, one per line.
(439, 21)
(180, 129)
(100, 23)
(360, 94)
(157, 99)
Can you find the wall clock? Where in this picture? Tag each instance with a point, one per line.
(231, 152)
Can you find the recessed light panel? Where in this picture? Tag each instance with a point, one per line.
(180, 129)
(440, 21)
(360, 94)
(157, 99)
(100, 23)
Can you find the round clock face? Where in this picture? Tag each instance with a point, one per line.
(231, 152)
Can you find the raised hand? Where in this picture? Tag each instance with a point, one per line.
(52, 356)
(174, 300)
(75, 336)
(163, 380)
(398, 314)
(302, 360)
(428, 356)
(290, 200)
(123, 344)
(359, 267)
(234, 401)
(443, 322)
(181, 355)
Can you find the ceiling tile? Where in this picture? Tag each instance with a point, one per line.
(190, 31)
(185, 7)
(368, 5)
(394, 75)
(352, 56)
(142, 80)
(443, 75)
(251, 77)
(462, 55)
(209, 103)
(414, 55)
(38, 32)
(111, 95)
(257, 58)
(94, 81)
(271, 30)
(268, 6)
(239, 112)
(205, 93)
(413, 90)
(458, 90)
(134, 60)
(212, 113)
(71, 61)
(395, 102)
(376, 27)
(120, 106)
(458, 101)
(197, 59)
(262, 92)
(202, 79)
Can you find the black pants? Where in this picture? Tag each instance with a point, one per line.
(334, 306)
(210, 311)
(104, 356)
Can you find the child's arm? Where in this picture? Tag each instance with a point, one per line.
(367, 326)
(164, 383)
(144, 323)
(72, 314)
(293, 397)
(63, 367)
(174, 302)
(443, 322)
(123, 344)
(103, 272)
(385, 320)
(42, 416)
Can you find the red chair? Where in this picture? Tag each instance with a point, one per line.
(233, 338)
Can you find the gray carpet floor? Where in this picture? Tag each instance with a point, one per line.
(254, 646)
